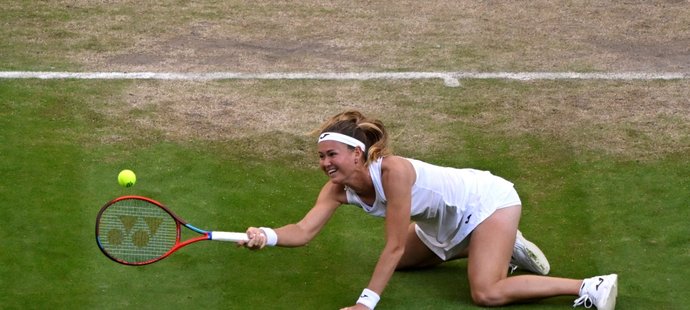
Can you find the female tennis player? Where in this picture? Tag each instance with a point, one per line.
(432, 214)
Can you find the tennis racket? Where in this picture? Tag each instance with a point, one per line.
(135, 230)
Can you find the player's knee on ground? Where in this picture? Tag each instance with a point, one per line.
(487, 297)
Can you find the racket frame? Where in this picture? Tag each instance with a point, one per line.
(179, 222)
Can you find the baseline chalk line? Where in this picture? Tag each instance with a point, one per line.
(450, 79)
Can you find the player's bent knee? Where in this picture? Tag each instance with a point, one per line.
(487, 298)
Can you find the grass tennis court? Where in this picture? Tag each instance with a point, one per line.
(601, 166)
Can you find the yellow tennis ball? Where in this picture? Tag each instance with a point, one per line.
(126, 178)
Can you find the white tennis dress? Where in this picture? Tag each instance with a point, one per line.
(447, 203)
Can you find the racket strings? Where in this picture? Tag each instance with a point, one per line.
(136, 231)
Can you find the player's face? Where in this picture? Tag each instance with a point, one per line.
(336, 160)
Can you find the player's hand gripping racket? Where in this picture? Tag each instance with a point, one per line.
(134, 230)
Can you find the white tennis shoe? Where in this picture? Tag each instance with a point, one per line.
(528, 256)
(599, 291)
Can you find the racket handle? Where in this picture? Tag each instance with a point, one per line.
(228, 236)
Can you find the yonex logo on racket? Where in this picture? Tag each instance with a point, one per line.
(139, 237)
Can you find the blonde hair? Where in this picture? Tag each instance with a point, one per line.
(371, 132)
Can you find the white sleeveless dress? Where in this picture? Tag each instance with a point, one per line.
(447, 203)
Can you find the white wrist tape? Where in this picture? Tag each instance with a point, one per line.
(271, 236)
(369, 298)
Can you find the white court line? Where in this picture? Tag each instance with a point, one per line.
(450, 79)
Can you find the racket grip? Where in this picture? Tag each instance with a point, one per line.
(228, 236)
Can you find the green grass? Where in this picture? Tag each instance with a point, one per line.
(591, 214)
(601, 166)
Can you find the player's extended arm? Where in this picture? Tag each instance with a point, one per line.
(300, 233)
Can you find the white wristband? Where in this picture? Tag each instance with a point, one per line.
(271, 236)
(369, 298)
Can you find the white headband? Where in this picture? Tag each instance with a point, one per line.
(334, 136)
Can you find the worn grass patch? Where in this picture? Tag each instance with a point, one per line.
(631, 120)
(317, 35)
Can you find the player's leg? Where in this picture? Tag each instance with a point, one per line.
(490, 249)
(417, 254)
